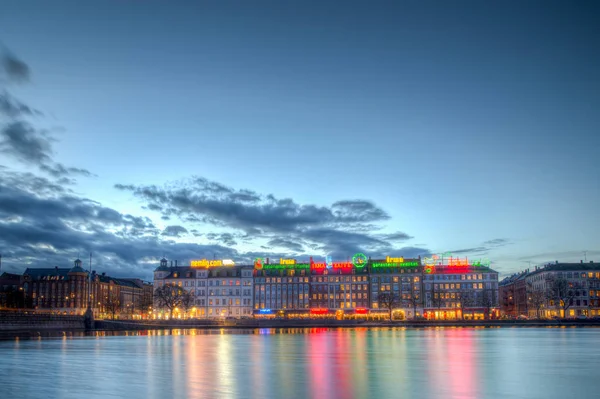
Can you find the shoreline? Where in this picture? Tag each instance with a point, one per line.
(119, 326)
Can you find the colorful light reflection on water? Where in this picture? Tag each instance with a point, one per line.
(300, 363)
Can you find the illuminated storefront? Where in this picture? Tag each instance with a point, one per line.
(220, 289)
(401, 279)
(283, 285)
(460, 290)
(439, 287)
(339, 285)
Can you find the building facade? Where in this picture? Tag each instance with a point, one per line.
(401, 281)
(460, 292)
(347, 290)
(11, 291)
(218, 290)
(70, 290)
(555, 290)
(281, 287)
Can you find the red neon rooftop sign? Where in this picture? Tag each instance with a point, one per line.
(342, 265)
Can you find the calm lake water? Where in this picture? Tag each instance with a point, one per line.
(299, 363)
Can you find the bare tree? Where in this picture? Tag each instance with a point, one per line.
(11, 297)
(170, 297)
(144, 304)
(413, 300)
(186, 301)
(561, 293)
(487, 301)
(112, 304)
(438, 298)
(389, 301)
(537, 299)
(467, 300)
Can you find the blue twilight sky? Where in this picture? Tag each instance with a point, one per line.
(384, 127)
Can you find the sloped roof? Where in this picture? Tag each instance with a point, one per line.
(39, 273)
(571, 267)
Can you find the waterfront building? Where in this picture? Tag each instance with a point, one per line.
(288, 288)
(565, 290)
(341, 289)
(219, 288)
(512, 292)
(281, 286)
(400, 279)
(11, 291)
(68, 290)
(460, 290)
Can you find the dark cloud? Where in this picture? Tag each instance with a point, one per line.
(219, 204)
(13, 108)
(345, 226)
(358, 211)
(398, 236)
(476, 250)
(33, 146)
(26, 143)
(497, 242)
(59, 170)
(487, 246)
(174, 231)
(224, 238)
(19, 138)
(13, 68)
(288, 244)
(43, 224)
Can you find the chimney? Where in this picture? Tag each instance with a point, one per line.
(267, 261)
(175, 263)
(171, 263)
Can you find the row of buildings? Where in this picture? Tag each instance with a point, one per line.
(70, 290)
(424, 288)
(362, 287)
(554, 290)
